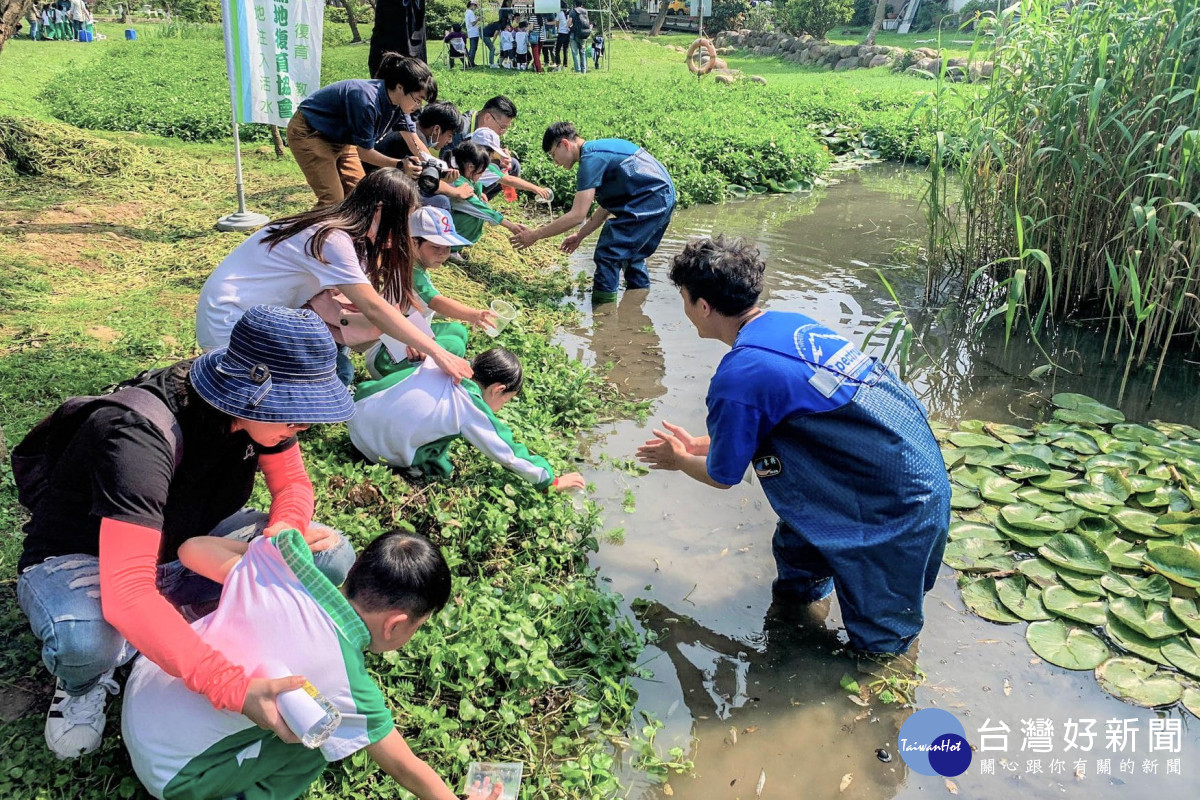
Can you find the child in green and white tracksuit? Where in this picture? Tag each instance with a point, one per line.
(434, 236)
(475, 166)
(411, 417)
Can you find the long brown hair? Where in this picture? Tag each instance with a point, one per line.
(388, 261)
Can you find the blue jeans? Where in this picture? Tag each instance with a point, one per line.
(472, 49)
(61, 598)
(491, 48)
(578, 59)
(345, 367)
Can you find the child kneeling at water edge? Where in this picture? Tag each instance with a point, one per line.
(474, 163)
(411, 417)
(278, 614)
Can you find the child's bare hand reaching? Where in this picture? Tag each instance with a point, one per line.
(484, 789)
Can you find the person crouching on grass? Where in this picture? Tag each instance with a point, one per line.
(842, 447)
(279, 615)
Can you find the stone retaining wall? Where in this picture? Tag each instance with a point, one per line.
(820, 53)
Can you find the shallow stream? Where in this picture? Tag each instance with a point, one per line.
(745, 692)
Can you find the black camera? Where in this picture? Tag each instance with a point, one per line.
(431, 175)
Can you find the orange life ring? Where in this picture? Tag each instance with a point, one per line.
(707, 67)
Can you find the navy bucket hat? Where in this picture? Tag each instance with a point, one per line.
(280, 366)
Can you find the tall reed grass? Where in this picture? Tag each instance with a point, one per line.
(1080, 176)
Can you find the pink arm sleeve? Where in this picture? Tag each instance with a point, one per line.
(291, 490)
(133, 605)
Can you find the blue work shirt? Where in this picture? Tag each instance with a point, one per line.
(626, 178)
(354, 111)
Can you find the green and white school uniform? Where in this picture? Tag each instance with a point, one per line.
(278, 609)
(452, 336)
(410, 418)
(472, 214)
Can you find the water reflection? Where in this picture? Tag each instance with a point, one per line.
(624, 337)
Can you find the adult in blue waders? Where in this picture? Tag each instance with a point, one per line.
(843, 450)
(635, 198)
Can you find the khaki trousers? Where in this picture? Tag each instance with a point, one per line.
(331, 169)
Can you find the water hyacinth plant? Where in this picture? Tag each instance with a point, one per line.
(1088, 528)
(1080, 172)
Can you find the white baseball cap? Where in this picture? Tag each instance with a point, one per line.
(435, 225)
(488, 138)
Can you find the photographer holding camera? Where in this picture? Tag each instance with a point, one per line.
(434, 129)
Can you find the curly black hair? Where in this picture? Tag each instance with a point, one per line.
(728, 273)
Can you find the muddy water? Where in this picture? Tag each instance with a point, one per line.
(746, 691)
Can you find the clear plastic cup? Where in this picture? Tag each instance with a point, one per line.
(545, 200)
(507, 774)
(505, 314)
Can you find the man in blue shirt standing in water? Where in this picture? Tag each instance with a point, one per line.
(635, 198)
(842, 447)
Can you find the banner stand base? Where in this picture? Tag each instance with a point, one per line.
(242, 221)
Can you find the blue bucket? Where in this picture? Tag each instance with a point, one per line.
(130, 34)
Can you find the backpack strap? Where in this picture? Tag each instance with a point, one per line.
(150, 406)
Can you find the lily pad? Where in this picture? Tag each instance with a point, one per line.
(1119, 551)
(1166, 497)
(1031, 517)
(1081, 402)
(1038, 571)
(1186, 611)
(1021, 598)
(1152, 620)
(1184, 653)
(1075, 553)
(1180, 564)
(1138, 433)
(1007, 433)
(998, 489)
(1078, 582)
(980, 596)
(1026, 537)
(984, 456)
(1123, 461)
(1134, 642)
(1049, 501)
(1143, 483)
(1111, 481)
(1058, 480)
(977, 555)
(1092, 499)
(1179, 529)
(964, 499)
(1024, 467)
(1185, 447)
(1191, 700)
(1065, 603)
(1137, 682)
(971, 476)
(1078, 442)
(1150, 587)
(962, 439)
(1137, 522)
(1176, 429)
(960, 529)
(1092, 526)
(1065, 645)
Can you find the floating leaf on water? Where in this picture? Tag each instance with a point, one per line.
(849, 683)
(972, 476)
(1075, 553)
(1024, 467)
(1122, 461)
(1186, 448)
(1180, 564)
(1179, 529)
(1137, 682)
(1152, 620)
(1038, 571)
(1138, 433)
(1063, 602)
(1137, 522)
(960, 529)
(1078, 582)
(1111, 481)
(1077, 442)
(980, 596)
(1119, 551)
(1150, 587)
(1090, 527)
(1166, 497)
(1181, 517)
(964, 499)
(1054, 503)
(1065, 645)
(1026, 537)
(952, 456)
(1143, 483)
(1176, 429)
(737, 190)
(977, 555)
(963, 439)
(972, 425)
(1007, 433)
(1191, 700)
(1022, 599)
(1031, 517)
(1184, 653)
(1134, 642)
(1160, 471)
(1059, 480)
(1081, 402)
(1186, 611)
(1083, 417)
(998, 489)
(1092, 499)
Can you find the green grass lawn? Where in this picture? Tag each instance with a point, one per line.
(954, 43)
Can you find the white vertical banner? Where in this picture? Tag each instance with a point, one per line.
(273, 56)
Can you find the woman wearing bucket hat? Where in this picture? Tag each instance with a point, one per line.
(359, 248)
(123, 480)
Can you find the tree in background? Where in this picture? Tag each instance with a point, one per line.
(814, 17)
(11, 14)
(660, 18)
(877, 23)
(727, 15)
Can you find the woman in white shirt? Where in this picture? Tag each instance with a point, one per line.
(471, 23)
(359, 248)
(564, 39)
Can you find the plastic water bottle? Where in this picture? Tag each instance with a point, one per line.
(309, 714)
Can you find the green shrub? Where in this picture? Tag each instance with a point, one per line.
(727, 15)
(363, 15)
(814, 17)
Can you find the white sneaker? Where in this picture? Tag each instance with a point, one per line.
(75, 725)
